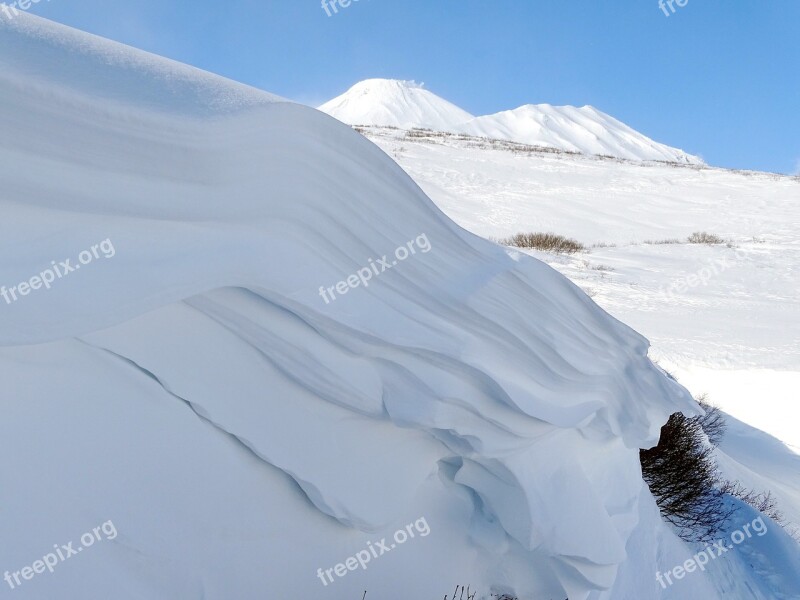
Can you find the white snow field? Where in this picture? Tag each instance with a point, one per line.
(244, 435)
(584, 130)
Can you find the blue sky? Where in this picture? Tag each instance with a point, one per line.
(718, 78)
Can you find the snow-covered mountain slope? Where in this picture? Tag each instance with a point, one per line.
(188, 376)
(586, 130)
(389, 102)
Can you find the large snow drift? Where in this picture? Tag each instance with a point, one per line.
(194, 387)
(585, 130)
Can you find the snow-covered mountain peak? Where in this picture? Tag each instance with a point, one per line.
(377, 85)
(407, 104)
(395, 103)
(585, 130)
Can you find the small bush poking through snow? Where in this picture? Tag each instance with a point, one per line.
(547, 242)
(456, 595)
(703, 237)
(662, 242)
(683, 478)
(763, 502)
(712, 423)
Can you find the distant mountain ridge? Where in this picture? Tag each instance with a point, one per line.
(407, 104)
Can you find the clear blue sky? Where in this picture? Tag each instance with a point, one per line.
(718, 78)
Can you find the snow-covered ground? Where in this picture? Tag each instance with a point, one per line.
(459, 414)
(723, 318)
(584, 130)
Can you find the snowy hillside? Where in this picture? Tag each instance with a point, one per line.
(724, 318)
(586, 130)
(738, 314)
(245, 356)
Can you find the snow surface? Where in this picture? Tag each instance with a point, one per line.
(240, 432)
(585, 130)
(733, 331)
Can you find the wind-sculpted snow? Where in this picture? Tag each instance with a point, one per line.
(239, 430)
